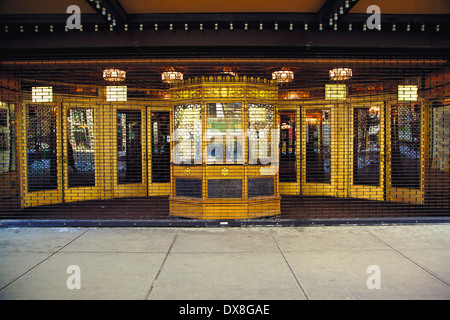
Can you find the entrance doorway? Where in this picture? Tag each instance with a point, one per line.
(363, 150)
(289, 164)
(77, 151)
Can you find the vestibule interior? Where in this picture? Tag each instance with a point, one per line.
(370, 145)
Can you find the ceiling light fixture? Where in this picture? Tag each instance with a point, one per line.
(170, 75)
(114, 75)
(228, 71)
(339, 74)
(283, 76)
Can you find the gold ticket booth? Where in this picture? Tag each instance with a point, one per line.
(224, 159)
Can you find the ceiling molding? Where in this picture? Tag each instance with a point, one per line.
(334, 10)
(109, 10)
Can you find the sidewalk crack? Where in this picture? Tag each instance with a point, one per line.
(289, 266)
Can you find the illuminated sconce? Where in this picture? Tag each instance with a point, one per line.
(116, 93)
(228, 71)
(339, 74)
(283, 76)
(114, 75)
(170, 76)
(335, 91)
(407, 93)
(42, 94)
(374, 110)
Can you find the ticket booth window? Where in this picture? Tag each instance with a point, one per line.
(187, 134)
(261, 120)
(224, 133)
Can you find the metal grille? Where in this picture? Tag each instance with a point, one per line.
(367, 147)
(41, 148)
(81, 156)
(406, 136)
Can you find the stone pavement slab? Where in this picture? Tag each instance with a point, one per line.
(258, 263)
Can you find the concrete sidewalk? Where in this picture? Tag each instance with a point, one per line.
(260, 263)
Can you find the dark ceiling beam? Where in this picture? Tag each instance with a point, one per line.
(296, 18)
(333, 10)
(109, 10)
(305, 22)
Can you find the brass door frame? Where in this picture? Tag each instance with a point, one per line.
(313, 188)
(40, 197)
(293, 188)
(407, 195)
(127, 189)
(155, 189)
(87, 192)
(342, 137)
(365, 191)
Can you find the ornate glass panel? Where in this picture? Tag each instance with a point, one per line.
(224, 133)
(187, 135)
(261, 140)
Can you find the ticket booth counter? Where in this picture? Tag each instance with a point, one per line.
(224, 148)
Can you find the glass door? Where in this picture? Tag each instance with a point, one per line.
(367, 153)
(159, 155)
(130, 178)
(289, 175)
(405, 160)
(41, 151)
(81, 153)
(318, 151)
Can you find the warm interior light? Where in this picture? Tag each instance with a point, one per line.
(116, 93)
(170, 76)
(42, 94)
(283, 76)
(114, 75)
(407, 93)
(229, 71)
(339, 74)
(335, 92)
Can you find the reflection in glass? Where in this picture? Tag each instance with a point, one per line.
(366, 146)
(160, 147)
(129, 146)
(440, 138)
(288, 164)
(41, 148)
(261, 119)
(187, 135)
(224, 133)
(318, 145)
(405, 146)
(80, 147)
